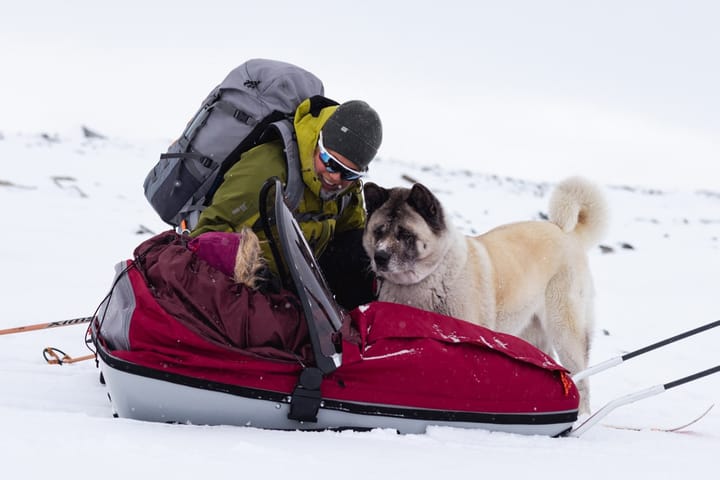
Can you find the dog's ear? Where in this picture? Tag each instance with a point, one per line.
(428, 206)
(375, 196)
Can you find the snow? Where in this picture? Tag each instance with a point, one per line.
(63, 238)
(508, 98)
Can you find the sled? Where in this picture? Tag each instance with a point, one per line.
(381, 365)
(406, 384)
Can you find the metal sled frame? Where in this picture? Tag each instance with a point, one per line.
(642, 394)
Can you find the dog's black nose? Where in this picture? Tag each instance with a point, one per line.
(381, 258)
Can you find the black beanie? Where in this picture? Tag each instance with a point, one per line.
(354, 131)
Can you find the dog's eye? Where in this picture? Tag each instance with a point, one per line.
(405, 235)
(379, 231)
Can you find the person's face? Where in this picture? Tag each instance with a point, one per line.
(335, 171)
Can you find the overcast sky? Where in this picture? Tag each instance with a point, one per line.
(621, 90)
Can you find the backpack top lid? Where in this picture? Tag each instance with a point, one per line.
(275, 85)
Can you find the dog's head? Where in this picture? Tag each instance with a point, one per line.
(406, 234)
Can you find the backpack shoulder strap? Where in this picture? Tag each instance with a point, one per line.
(294, 187)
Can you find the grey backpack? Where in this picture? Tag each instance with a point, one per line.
(256, 101)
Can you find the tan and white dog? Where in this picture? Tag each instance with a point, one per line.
(529, 279)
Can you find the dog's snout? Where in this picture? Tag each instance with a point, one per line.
(381, 257)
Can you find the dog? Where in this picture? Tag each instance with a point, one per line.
(530, 279)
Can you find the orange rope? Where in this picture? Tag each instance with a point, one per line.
(52, 356)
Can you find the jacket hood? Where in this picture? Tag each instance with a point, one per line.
(307, 128)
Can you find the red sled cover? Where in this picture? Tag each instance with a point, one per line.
(393, 356)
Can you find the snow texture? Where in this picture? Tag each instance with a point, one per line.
(75, 208)
(487, 103)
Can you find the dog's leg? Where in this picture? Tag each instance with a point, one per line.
(535, 333)
(569, 324)
(571, 346)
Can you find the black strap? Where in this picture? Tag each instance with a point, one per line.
(236, 113)
(306, 398)
(207, 162)
(267, 220)
(318, 103)
(312, 217)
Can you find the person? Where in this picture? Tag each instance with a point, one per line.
(336, 145)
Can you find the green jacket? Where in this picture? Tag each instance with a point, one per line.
(235, 203)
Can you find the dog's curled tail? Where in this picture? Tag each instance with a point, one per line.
(578, 206)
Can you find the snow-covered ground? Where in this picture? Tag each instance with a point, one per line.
(73, 207)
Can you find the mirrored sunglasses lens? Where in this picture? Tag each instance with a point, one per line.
(346, 175)
(333, 166)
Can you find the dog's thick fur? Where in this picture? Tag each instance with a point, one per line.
(529, 279)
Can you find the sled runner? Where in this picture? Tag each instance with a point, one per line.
(298, 361)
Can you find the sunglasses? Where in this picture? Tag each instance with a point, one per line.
(333, 165)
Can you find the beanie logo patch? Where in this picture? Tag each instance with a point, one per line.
(344, 129)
